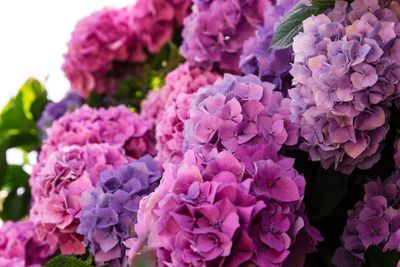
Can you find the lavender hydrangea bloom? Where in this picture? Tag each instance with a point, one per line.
(374, 221)
(239, 111)
(271, 65)
(215, 32)
(54, 111)
(109, 211)
(346, 70)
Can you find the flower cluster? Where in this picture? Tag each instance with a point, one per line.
(112, 36)
(374, 221)
(20, 247)
(109, 212)
(271, 65)
(54, 111)
(178, 92)
(219, 213)
(346, 69)
(116, 126)
(57, 184)
(215, 32)
(155, 20)
(239, 111)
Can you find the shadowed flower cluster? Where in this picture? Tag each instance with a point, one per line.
(54, 111)
(112, 36)
(271, 65)
(57, 184)
(179, 92)
(346, 70)
(20, 247)
(217, 213)
(374, 221)
(152, 106)
(215, 32)
(109, 212)
(239, 111)
(116, 126)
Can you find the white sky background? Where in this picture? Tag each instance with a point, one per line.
(33, 37)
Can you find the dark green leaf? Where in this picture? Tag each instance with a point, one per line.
(15, 206)
(16, 177)
(292, 24)
(323, 3)
(67, 261)
(330, 187)
(375, 257)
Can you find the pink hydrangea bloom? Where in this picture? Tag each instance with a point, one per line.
(116, 126)
(374, 221)
(99, 40)
(57, 185)
(215, 32)
(155, 20)
(210, 213)
(238, 111)
(178, 92)
(20, 247)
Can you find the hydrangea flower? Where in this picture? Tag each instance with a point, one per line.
(215, 32)
(239, 111)
(98, 41)
(374, 221)
(116, 126)
(271, 65)
(155, 20)
(210, 213)
(54, 111)
(20, 247)
(111, 40)
(346, 70)
(178, 92)
(57, 184)
(109, 212)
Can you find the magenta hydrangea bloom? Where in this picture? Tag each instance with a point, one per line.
(239, 111)
(209, 213)
(178, 92)
(155, 20)
(346, 69)
(98, 41)
(109, 212)
(116, 126)
(57, 184)
(20, 247)
(152, 106)
(374, 221)
(215, 32)
(271, 65)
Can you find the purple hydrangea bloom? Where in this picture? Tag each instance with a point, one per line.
(346, 70)
(215, 32)
(109, 212)
(215, 213)
(374, 221)
(271, 65)
(54, 111)
(239, 111)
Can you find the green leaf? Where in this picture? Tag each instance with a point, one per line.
(330, 186)
(292, 24)
(323, 3)
(375, 257)
(67, 261)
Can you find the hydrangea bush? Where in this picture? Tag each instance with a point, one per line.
(211, 133)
